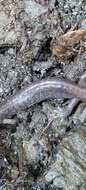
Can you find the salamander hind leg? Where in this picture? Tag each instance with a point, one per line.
(65, 112)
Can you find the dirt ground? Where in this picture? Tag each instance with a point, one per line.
(39, 148)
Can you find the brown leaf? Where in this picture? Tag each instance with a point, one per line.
(74, 37)
(61, 51)
(67, 41)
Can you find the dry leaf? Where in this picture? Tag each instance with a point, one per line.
(62, 51)
(74, 37)
(67, 41)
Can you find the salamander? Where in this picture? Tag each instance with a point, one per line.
(39, 91)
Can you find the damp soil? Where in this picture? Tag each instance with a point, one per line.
(39, 149)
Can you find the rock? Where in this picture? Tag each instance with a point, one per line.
(69, 169)
(80, 114)
(32, 152)
(33, 9)
(7, 36)
(14, 173)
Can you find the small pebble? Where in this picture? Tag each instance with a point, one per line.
(14, 173)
